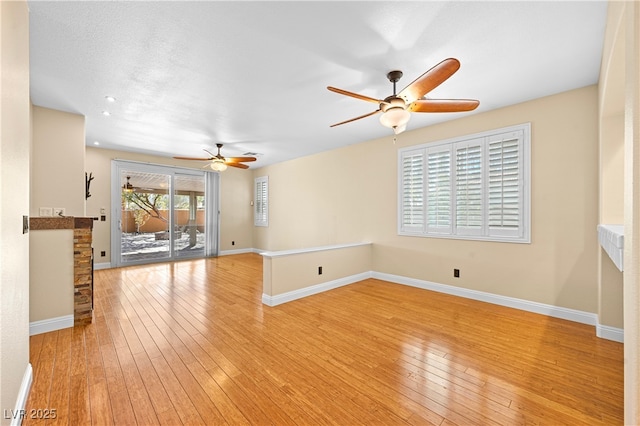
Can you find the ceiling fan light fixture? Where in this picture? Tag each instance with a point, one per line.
(127, 187)
(395, 118)
(217, 165)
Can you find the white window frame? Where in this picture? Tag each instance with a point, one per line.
(448, 228)
(261, 201)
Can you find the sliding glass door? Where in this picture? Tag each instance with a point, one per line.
(162, 213)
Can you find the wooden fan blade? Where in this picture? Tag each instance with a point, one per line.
(239, 159)
(429, 80)
(193, 158)
(354, 119)
(238, 165)
(355, 95)
(443, 105)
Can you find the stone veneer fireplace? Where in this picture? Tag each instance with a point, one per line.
(82, 261)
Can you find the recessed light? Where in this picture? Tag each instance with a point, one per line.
(110, 98)
(96, 143)
(106, 113)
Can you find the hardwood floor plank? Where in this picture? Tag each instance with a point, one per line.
(61, 382)
(191, 343)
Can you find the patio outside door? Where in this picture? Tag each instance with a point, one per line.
(163, 213)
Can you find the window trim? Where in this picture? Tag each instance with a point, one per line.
(523, 131)
(257, 220)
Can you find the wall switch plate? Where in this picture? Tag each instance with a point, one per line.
(45, 211)
(58, 211)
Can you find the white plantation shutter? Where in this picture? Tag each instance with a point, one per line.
(261, 201)
(504, 189)
(412, 191)
(476, 187)
(469, 191)
(439, 190)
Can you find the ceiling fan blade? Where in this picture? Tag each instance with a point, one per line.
(193, 158)
(355, 95)
(239, 159)
(429, 80)
(238, 165)
(354, 119)
(443, 105)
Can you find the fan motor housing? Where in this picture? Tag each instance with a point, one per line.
(394, 76)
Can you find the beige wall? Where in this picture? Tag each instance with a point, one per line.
(611, 162)
(350, 195)
(14, 200)
(51, 277)
(57, 161)
(632, 214)
(235, 197)
(285, 273)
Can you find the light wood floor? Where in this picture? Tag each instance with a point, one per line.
(190, 343)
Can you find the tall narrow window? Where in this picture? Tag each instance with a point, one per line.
(474, 187)
(261, 202)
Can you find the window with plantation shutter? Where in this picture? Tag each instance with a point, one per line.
(412, 186)
(504, 192)
(469, 202)
(439, 190)
(474, 187)
(261, 201)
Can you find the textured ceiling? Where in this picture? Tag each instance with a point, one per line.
(253, 75)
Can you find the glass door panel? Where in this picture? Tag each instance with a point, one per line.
(189, 214)
(145, 217)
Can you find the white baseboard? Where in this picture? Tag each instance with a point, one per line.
(314, 289)
(21, 401)
(238, 251)
(610, 333)
(510, 302)
(105, 265)
(51, 324)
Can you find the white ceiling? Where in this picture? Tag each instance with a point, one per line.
(253, 75)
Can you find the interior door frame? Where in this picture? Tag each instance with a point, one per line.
(212, 208)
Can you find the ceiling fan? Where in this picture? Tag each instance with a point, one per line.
(397, 107)
(220, 163)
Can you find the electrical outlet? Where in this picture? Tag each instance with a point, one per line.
(103, 253)
(58, 211)
(45, 211)
(456, 273)
(233, 243)
(319, 270)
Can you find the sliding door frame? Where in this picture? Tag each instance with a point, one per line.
(212, 208)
